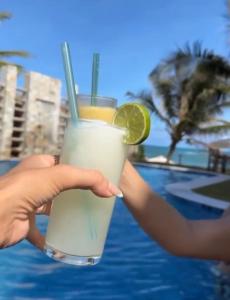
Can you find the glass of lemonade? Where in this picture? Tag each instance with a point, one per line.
(79, 220)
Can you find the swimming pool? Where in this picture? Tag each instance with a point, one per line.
(133, 266)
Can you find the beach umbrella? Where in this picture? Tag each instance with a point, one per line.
(225, 143)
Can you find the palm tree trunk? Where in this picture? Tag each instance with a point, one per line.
(172, 148)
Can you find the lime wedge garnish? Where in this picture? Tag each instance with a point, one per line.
(135, 118)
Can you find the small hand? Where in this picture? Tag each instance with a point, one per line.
(29, 189)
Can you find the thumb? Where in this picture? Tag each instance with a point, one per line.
(68, 177)
(44, 184)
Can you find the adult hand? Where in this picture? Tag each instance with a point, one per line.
(30, 188)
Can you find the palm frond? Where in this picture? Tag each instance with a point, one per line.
(222, 121)
(165, 90)
(4, 54)
(193, 141)
(146, 99)
(189, 54)
(218, 129)
(214, 65)
(5, 15)
(221, 106)
(14, 53)
(6, 63)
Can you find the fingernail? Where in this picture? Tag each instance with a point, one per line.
(120, 195)
(115, 190)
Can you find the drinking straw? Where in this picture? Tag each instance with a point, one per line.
(95, 73)
(70, 85)
(74, 113)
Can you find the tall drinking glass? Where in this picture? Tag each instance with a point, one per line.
(79, 220)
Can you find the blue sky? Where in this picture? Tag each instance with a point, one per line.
(132, 36)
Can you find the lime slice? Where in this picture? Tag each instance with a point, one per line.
(135, 118)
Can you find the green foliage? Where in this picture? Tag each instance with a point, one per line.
(192, 85)
(141, 152)
(4, 15)
(139, 155)
(11, 53)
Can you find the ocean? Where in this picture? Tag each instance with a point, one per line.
(185, 156)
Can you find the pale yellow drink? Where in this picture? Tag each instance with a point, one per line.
(97, 113)
(79, 220)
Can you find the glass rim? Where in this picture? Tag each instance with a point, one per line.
(97, 97)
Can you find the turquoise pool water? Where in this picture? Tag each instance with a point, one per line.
(133, 266)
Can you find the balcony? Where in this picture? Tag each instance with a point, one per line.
(17, 139)
(18, 129)
(19, 119)
(17, 149)
(19, 109)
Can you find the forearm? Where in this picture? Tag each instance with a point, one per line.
(158, 219)
(209, 239)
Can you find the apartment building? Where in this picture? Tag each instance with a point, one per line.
(32, 118)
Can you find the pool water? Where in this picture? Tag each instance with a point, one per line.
(133, 266)
(6, 165)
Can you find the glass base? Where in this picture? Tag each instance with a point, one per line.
(71, 259)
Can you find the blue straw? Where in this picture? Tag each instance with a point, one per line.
(95, 74)
(70, 84)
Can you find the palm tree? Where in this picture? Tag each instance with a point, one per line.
(6, 54)
(192, 85)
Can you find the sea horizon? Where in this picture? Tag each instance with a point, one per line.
(189, 156)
